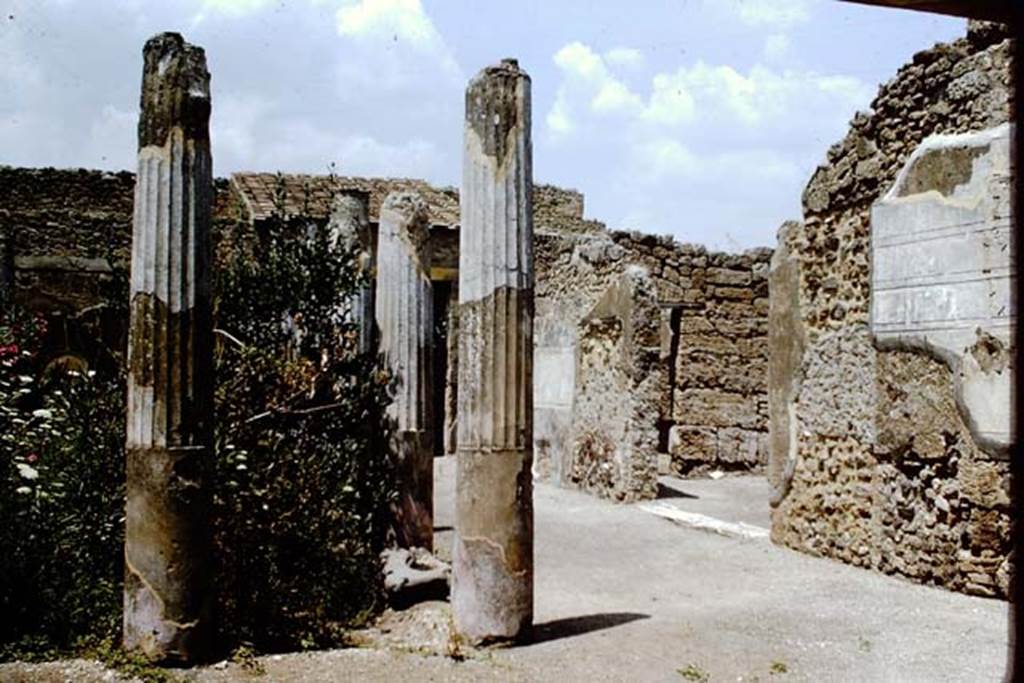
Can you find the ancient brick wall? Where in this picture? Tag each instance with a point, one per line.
(61, 230)
(873, 463)
(620, 382)
(713, 307)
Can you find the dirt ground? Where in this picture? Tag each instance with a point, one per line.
(626, 595)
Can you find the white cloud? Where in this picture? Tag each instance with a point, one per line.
(671, 102)
(235, 7)
(624, 56)
(774, 13)
(586, 74)
(663, 157)
(559, 119)
(579, 60)
(234, 126)
(721, 89)
(614, 96)
(666, 159)
(393, 27)
(355, 154)
(759, 98)
(390, 19)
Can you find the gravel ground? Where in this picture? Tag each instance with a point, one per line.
(622, 595)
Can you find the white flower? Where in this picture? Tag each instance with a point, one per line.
(24, 379)
(27, 471)
(23, 490)
(44, 413)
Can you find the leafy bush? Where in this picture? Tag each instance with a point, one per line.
(303, 483)
(301, 479)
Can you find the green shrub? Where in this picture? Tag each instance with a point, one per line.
(301, 479)
(303, 483)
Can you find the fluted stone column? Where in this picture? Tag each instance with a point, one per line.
(492, 590)
(405, 312)
(451, 389)
(167, 591)
(349, 229)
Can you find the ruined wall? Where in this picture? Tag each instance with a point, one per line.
(60, 229)
(873, 462)
(620, 381)
(714, 307)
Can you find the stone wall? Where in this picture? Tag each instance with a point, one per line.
(873, 462)
(61, 229)
(713, 412)
(620, 381)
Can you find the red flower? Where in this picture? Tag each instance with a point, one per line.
(31, 458)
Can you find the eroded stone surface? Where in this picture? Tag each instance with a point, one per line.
(620, 379)
(404, 312)
(167, 608)
(492, 588)
(349, 229)
(786, 339)
(888, 473)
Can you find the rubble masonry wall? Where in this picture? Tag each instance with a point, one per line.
(873, 463)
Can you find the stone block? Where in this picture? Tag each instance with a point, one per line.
(739, 446)
(984, 483)
(716, 408)
(728, 277)
(693, 443)
(733, 293)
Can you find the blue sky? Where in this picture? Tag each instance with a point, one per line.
(702, 119)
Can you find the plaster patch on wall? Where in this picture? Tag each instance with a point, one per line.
(942, 273)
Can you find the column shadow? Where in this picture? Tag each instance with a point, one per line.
(577, 626)
(665, 491)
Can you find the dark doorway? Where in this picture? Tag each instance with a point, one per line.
(442, 300)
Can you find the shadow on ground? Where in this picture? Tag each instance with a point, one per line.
(672, 492)
(577, 626)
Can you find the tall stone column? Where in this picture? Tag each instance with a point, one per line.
(451, 388)
(349, 229)
(405, 312)
(167, 590)
(492, 590)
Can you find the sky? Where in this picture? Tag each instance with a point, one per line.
(701, 119)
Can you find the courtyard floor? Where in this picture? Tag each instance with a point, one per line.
(624, 593)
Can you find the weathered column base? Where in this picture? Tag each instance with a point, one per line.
(168, 610)
(492, 555)
(413, 512)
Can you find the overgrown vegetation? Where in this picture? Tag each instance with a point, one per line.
(61, 489)
(302, 484)
(301, 481)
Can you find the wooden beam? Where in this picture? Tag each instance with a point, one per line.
(989, 10)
